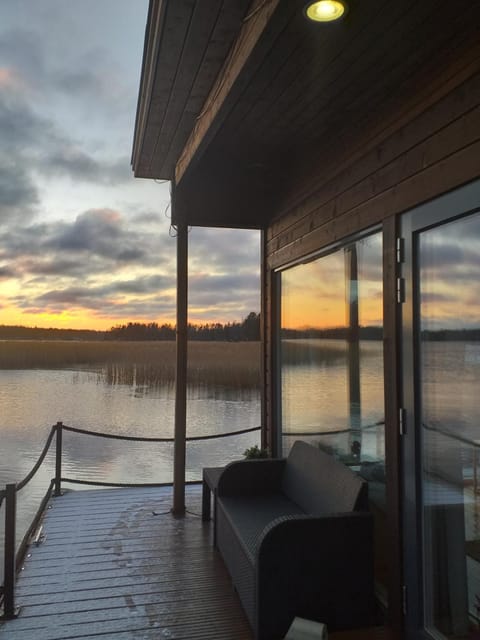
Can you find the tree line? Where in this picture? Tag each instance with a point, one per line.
(246, 330)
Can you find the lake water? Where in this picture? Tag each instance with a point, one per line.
(31, 401)
(314, 398)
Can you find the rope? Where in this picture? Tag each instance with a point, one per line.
(27, 478)
(222, 435)
(145, 485)
(145, 439)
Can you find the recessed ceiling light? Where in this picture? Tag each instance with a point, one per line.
(325, 10)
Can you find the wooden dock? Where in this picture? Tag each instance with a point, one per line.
(116, 564)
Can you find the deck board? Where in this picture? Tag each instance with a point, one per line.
(116, 564)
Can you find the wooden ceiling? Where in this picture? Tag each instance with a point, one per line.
(186, 43)
(236, 101)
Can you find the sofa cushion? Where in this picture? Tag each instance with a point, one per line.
(250, 515)
(319, 484)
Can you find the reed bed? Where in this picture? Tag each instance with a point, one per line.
(226, 364)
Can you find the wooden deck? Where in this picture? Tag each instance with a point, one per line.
(116, 564)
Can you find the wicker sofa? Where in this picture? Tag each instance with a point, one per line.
(296, 537)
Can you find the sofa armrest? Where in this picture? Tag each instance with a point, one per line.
(316, 567)
(251, 477)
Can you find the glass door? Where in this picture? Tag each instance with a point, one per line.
(442, 398)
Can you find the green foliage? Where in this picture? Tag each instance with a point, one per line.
(255, 452)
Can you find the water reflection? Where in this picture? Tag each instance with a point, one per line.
(33, 400)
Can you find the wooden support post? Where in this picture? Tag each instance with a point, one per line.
(9, 611)
(353, 353)
(181, 373)
(58, 461)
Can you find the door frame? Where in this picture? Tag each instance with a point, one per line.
(456, 204)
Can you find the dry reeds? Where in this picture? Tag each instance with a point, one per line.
(227, 364)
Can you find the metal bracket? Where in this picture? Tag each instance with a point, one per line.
(39, 536)
(402, 423)
(400, 250)
(400, 290)
(15, 614)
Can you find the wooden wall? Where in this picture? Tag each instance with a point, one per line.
(423, 144)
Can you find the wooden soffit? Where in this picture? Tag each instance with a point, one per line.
(186, 44)
(239, 99)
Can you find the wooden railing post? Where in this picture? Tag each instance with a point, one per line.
(58, 460)
(9, 550)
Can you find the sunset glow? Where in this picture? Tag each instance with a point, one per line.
(83, 244)
(314, 294)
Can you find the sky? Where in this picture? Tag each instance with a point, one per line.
(84, 244)
(314, 294)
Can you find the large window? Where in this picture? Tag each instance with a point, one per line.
(331, 354)
(449, 372)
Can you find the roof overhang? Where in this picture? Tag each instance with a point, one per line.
(237, 99)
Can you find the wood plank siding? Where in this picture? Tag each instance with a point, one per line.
(421, 149)
(116, 564)
(433, 148)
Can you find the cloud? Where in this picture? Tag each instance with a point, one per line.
(23, 131)
(101, 232)
(18, 194)
(97, 300)
(66, 122)
(202, 283)
(224, 249)
(9, 80)
(34, 145)
(74, 163)
(79, 265)
(6, 273)
(97, 241)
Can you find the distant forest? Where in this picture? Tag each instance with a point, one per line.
(13, 332)
(246, 330)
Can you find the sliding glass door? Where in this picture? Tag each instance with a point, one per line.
(442, 394)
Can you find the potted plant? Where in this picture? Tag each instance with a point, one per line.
(255, 452)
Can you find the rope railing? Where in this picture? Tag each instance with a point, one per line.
(13, 558)
(23, 483)
(146, 439)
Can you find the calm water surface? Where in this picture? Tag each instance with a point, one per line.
(31, 401)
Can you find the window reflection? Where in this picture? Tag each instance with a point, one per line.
(450, 419)
(332, 354)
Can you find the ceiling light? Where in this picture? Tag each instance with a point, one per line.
(325, 10)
